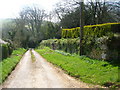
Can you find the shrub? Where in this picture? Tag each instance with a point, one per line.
(92, 30)
(6, 50)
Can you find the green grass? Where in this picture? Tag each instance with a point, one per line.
(32, 56)
(7, 65)
(86, 69)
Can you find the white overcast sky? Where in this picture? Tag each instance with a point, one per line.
(11, 8)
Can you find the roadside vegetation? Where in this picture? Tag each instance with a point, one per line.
(6, 49)
(8, 64)
(82, 67)
(60, 30)
(32, 56)
(34, 24)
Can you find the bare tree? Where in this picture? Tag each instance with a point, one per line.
(28, 27)
(33, 18)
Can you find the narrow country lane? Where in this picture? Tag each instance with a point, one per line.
(40, 74)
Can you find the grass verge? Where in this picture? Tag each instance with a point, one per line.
(86, 69)
(7, 65)
(32, 56)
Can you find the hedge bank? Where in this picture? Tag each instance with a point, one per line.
(8, 64)
(99, 41)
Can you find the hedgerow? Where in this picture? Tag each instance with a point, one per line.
(99, 41)
(92, 30)
(6, 50)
